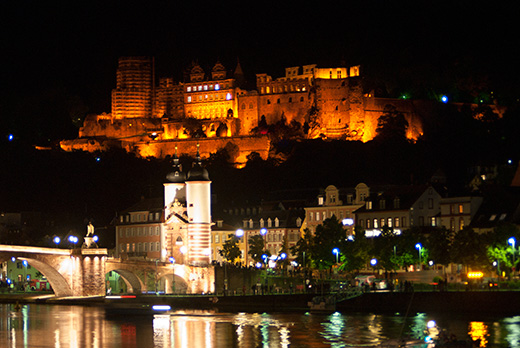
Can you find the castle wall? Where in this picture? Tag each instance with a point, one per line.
(248, 112)
(102, 126)
(161, 149)
(294, 106)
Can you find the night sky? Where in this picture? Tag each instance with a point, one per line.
(59, 59)
(50, 47)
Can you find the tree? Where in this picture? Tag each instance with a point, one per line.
(329, 235)
(391, 125)
(303, 247)
(256, 247)
(469, 248)
(356, 253)
(439, 245)
(230, 250)
(384, 247)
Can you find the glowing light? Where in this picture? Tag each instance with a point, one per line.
(228, 96)
(161, 307)
(95, 238)
(475, 275)
(239, 233)
(10, 137)
(56, 240)
(183, 249)
(444, 99)
(172, 259)
(348, 222)
(217, 87)
(13, 259)
(283, 256)
(258, 265)
(431, 324)
(373, 262)
(263, 231)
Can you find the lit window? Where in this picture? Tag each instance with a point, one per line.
(493, 217)
(276, 222)
(217, 87)
(189, 99)
(228, 96)
(369, 205)
(200, 88)
(368, 223)
(396, 222)
(461, 208)
(390, 222)
(205, 87)
(269, 222)
(210, 86)
(188, 89)
(433, 221)
(376, 225)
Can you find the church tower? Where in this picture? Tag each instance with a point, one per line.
(198, 203)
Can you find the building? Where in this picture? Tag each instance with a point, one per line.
(458, 212)
(399, 208)
(177, 225)
(339, 203)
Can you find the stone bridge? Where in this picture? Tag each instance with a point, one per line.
(81, 271)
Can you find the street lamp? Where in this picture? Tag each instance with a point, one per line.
(512, 241)
(56, 241)
(418, 246)
(335, 251)
(73, 240)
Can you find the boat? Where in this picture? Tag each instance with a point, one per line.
(322, 304)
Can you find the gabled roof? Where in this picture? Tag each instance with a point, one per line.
(407, 195)
(500, 205)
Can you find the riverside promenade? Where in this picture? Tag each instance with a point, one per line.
(504, 302)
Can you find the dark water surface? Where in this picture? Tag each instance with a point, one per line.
(76, 326)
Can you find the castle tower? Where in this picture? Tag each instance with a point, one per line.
(134, 90)
(198, 202)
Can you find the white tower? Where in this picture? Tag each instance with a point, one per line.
(174, 236)
(198, 202)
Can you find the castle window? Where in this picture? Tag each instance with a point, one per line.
(210, 86)
(200, 88)
(290, 100)
(268, 90)
(269, 222)
(243, 106)
(261, 90)
(250, 105)
(276, 222)
(339, 74)
(217, 87)
(278, 101)
(261, 223)
(228, 96)
(205, 87)
(339, 121)
(250, 223)
(178, 241)
(188, 89)
(302, 99)
(268, 101)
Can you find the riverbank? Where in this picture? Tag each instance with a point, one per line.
(481, 302)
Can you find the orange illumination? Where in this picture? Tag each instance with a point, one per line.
(475, 275)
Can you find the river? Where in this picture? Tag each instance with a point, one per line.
(58, 326)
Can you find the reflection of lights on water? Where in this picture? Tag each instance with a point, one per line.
(284, 336)
(512, 327)
(479, 330)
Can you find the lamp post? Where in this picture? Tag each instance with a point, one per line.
(418, 246)
(172, 261)
(56, 241)
(239, 234)
(512, 242)
(335, 251)
(73, 240)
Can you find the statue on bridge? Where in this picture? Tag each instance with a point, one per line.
(89, 238)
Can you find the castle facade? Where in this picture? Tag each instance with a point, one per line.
(152, 118)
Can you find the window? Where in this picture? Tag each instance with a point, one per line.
(368, 223)
(421, 220)
(369, 205)
(262, 222)
(278, 101)
(178, 241)
(298, 222)
(157, 230)
(228, 96)
(217, 238)
(269, 222)
(452, 225)
(157, 246)
(339, 74)
(461, 209)
(396, 220)
(276, 222)
(382, 222)
(430, 203)
(376, 225)
(389, 222)
(268, 101)
(200, 88)
(433, 221)
(250, 223)
(145, 247)
(403, 221)
(311, 216)
(290, 99)
(302, 99)
(205, 87)
(396, 203)
(217, 87)
(188, 89)
(157, 216)
(361, 222)
(317, 216)
(461, 223)
(382, 204)
(452, 209)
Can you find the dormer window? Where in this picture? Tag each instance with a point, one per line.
(262, 223)
(298, 222)
(269, 222)
(369, 205)
(276, 222)
(382, 204)
(396, 203)
(250, 223)
(320, 200)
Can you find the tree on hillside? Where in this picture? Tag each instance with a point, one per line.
(469, 248)
(391, 125)
(356, 253)
(439, 245)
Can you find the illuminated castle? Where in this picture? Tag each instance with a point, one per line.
(151, 119)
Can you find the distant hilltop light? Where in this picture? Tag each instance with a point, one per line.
(10, 137)
(444, 99)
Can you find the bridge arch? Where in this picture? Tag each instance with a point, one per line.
(58, 282)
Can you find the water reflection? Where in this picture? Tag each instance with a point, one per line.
(76, 326)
